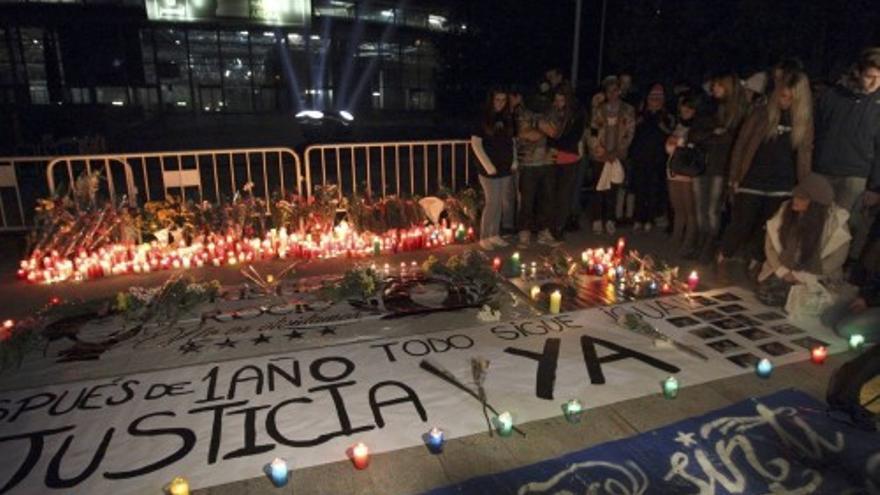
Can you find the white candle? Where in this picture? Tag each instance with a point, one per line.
(555, 302)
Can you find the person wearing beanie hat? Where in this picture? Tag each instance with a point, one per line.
(806, 243)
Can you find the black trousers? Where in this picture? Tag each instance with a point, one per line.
(601, 202)
(747, 225)
(536, 197)
(564, 184)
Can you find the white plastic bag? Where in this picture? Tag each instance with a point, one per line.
(808, 300)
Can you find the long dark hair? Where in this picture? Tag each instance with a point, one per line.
(491, 119)
(805, 231)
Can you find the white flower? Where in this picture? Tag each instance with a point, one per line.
(488, 314)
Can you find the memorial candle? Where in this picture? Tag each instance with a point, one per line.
(436, 439)
(178, 486)
(360, 455)
(819, 354)
(693, 281)
(670, 388)
(555, 302)
(621, 244)
(535, 292)
(504, 424)
(278, 472)
(764, 368)
(573, 410)
(856, 341)
(516, 264)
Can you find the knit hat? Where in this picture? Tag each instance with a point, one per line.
(815, 188)
(757, 82)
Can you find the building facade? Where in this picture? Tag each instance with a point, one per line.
(232, 56)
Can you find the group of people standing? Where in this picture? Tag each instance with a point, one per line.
(759, 170)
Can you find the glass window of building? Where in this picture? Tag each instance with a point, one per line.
(334, 8)
(35, 62)
(172, 69)
(237, 71)
(204, 56)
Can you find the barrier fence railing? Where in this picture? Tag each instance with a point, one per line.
(405, 168)
(22, 182)
(203, 175)
(391, 168)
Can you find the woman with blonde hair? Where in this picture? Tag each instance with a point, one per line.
(773, 152)
(716, 134)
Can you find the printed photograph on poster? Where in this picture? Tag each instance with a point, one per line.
(703, 301)
(809, 343)
(754, 334)
(683, 321)
(746, 360)
(769, 316)
(775, 348)
(727, 297)
(732, 308)
(786, 329)
(747, 320)
(708, 314)
(706, 333)
(724, 346)
(728, 324)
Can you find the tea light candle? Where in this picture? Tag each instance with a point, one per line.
(573, 409)
(856, 341)
(670, 388)
(819, 354)
(178, 486)
(278, 472)
(360, 455)
(536, 292)
(504, 424)
(693, 280)
(555, 302)
(436, 439)
(764, 368)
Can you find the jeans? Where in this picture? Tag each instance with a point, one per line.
(564, 185)
(848, 194)
(709, 197)
(747, 224)
(535, 197)
(841, 319)
(499, 205)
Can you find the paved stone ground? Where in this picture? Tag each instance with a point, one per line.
(414, 470)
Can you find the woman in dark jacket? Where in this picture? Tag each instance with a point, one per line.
(647, 159)
(772, 153)
(565, 143)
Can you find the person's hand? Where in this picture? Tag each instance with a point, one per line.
(671, 144)
(858, 305)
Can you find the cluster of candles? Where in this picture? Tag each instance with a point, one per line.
(220, 250)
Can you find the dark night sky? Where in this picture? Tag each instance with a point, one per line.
(664, 40)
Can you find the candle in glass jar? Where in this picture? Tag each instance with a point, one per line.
(278, 472)
(178, 486)
(693, 280)
(436, 439)
(360, 455)
(535, 292)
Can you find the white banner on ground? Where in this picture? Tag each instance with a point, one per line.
(217, 423)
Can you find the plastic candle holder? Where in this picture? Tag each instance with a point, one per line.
(693, 280)
(573, 410)
(535, 292)
(178, 486)
(435, 440)
(504, 424)
(279, 472)
(496, 264)
(360, 456)
(670, 388)
(856, 341)
(763, 368)
(819, 354)
(555, 302)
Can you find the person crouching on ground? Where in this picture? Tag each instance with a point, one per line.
(806, 243)
(493, 144)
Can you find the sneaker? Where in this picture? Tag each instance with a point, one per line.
(609, 227)
(525, 237)
(486, 245)
(498, 241)
(637, 227)
(597, 227)
(547, 239)
(648, 227)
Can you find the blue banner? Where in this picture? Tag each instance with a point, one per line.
(781, 443)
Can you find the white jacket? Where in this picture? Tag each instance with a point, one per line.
(835, 246)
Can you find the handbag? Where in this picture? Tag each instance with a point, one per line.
(688, 160)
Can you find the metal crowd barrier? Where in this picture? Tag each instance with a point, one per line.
(202, 175)
(398, 168)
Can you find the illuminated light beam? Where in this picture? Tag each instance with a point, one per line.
(371, 67)
(287, 65)
(318, 78)
(357, 35)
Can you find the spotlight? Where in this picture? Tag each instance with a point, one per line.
(311, 114)
(345, 114)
